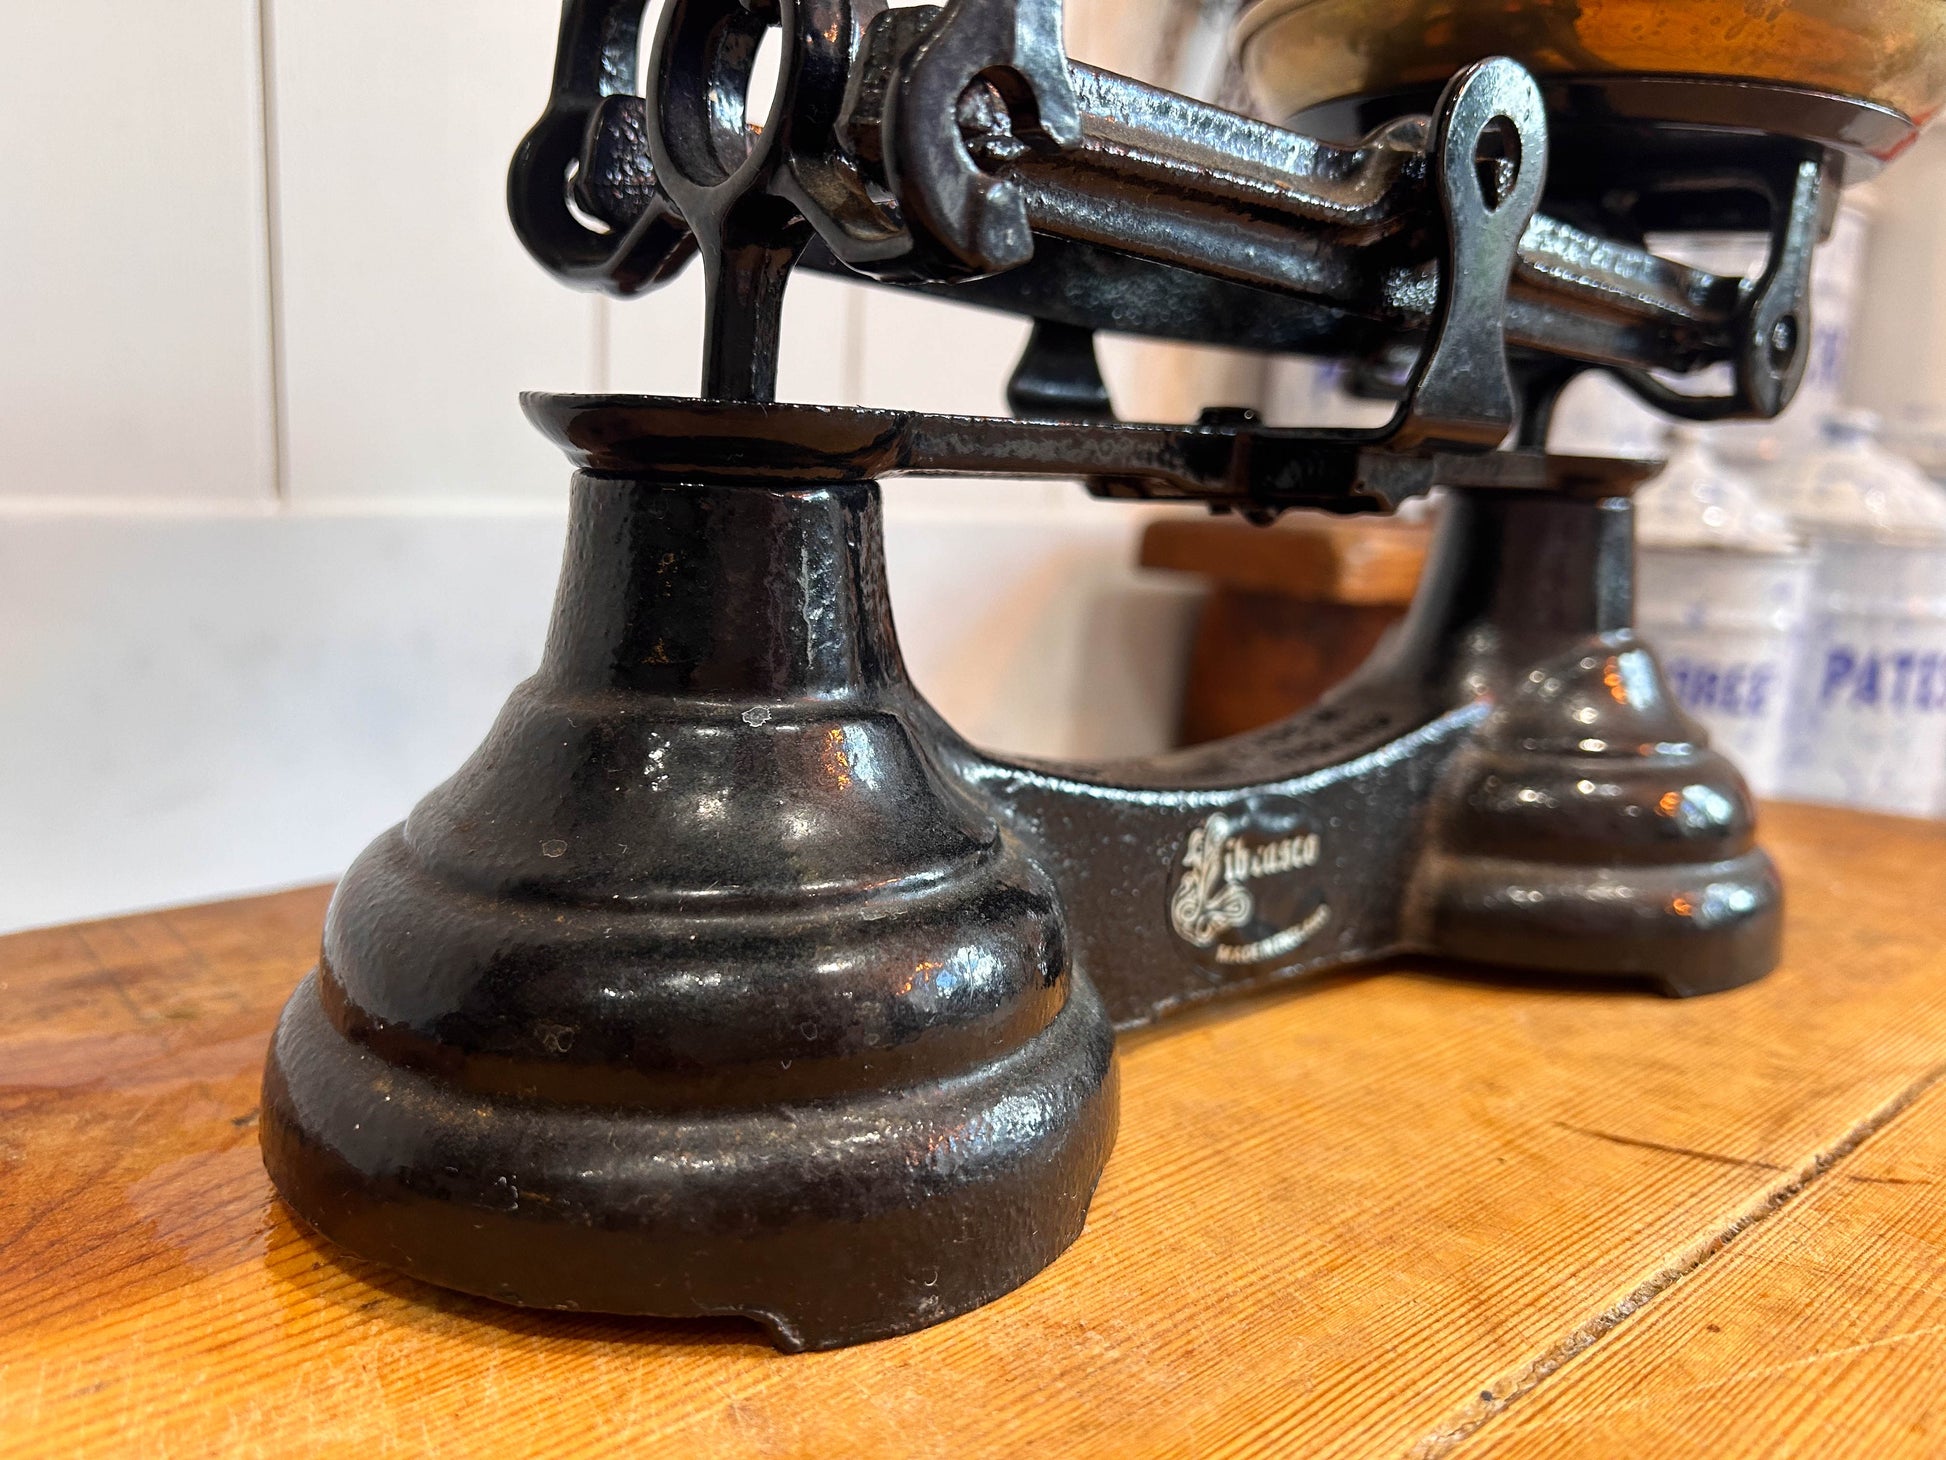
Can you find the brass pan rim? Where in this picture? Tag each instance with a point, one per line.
(1887, 54)
(1866, 131)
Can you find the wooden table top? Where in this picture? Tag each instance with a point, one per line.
(1392, 1215)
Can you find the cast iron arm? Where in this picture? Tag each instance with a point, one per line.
(959, 150)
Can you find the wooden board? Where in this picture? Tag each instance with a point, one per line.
(1401, 1214)
(1261, 657)
(1293, 609)
(1367, 561)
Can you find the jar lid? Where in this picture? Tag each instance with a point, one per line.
(1701, 502)
(1851, 486)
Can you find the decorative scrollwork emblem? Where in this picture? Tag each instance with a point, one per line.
(1208, 903)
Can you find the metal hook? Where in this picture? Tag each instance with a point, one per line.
(588, 150)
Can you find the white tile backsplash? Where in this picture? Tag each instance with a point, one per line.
(410, 317)
(134, 307)
(203, 704)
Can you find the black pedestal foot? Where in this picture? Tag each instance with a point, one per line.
(700, 989)
(1587, 828)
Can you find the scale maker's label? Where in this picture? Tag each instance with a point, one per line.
(1248, 892)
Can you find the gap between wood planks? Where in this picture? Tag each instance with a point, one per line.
(1551, 1361)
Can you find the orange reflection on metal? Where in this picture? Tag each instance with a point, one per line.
(919, 970)
(1682, 907)
(837, 764)
(1670, 803)
(1611, 675)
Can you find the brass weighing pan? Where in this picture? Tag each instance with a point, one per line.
(1861, 75)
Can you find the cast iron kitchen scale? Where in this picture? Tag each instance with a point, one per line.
(725, 978)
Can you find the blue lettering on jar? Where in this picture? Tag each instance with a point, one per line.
(1741, 691)
(1867, 680)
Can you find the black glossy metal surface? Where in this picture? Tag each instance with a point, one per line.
(726, 977)
(700, 988)
(1350, 229)
(1225, 461)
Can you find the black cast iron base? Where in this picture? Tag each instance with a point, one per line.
(726, 978)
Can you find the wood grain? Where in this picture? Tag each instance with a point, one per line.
(1335, 1220)
(1822, 1328)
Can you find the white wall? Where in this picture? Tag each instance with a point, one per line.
(134, 299)
(274, 537)
(1898, 362)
